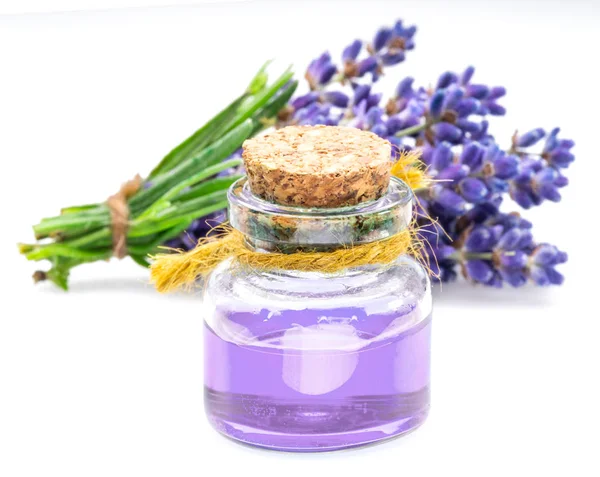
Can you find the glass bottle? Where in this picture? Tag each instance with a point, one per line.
(310, 361)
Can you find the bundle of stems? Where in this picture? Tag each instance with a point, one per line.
(184, 186)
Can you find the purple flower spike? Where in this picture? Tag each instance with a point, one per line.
(473, 190)
(496, 92)
(435, 106)
(481, 239)
(545, 255)
(558, 151)
(514, 278)
(539, 277)
(361, 92)
(441, 157)
(561, 158)
(515, 260)
(304, 100)
(477, 91)
(394, 124)
(465, 78)
(381, 38)
(510, 240)
(336, 98)
(468, 126)
(530, 138)
(327, 73)
(472, 156)
(380, 130)
(466, 107)
(479, 271)
(526, 240)
(449, 200)
(352, 51)
(522, 197)
(472, 174)
(367, 65)
(453, 95)
(453, 172)
(393, 58)
(496, 109)
(446, 79)
(550, 192)
(447, 132)
(373, 99)
(373, 116)
(561, 181)
(320, 71)
(404, 88)
(506, 166)
(554, 277)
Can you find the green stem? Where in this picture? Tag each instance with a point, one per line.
(414, 129)
(207, 187)
(164, 201)
(461, 256)
(60, 250)
(274, 106)
(197, 140)
(166, 223)
(261, 99)
(162, 238)
(70, 223)
(79, 208)
(212, 154)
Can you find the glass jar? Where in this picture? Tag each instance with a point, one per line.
(310, 361)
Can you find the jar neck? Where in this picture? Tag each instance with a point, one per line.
(263, 246)
(270, 227)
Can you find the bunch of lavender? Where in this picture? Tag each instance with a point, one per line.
(473, 174)
(191, 181)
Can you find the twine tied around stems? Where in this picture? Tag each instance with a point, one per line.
(119, 215)
(171, 271)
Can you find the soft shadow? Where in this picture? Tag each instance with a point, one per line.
(379, 447)
(128, 285)
(463, 293)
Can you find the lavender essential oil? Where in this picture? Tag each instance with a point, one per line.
(303, 360)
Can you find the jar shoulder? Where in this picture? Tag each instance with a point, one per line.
(401, 289)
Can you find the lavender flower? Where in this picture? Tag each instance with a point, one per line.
(502, 250)
(320, 71)
(473, 174)
(543, 259)
(540, 173)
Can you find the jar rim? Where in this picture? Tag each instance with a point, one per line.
(397, 195)
(272, 226)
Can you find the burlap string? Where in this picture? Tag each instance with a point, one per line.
(119, 215)
(177, 270)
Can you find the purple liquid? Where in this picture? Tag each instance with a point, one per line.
(310, 380)
(314, 380)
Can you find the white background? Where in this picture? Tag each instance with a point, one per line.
(107, 379)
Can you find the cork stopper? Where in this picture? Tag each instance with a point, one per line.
(318, 166)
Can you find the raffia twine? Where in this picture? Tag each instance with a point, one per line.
(119, 215)
(172, 271)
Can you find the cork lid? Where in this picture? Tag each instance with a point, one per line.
(318, 166)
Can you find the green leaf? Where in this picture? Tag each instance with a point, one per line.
(258, 101)
(212, 154)
(207, 187)
(260, 79)
(199, 139)
(274, 106)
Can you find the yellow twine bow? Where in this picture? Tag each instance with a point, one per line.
(176, 270)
